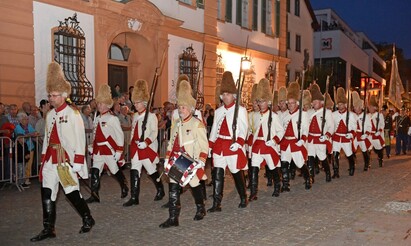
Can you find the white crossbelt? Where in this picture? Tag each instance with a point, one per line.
(225, 137)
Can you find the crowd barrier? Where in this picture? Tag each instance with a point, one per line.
(20, 158)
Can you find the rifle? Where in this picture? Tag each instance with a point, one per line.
(300, 111)
(239, 88)
(327, 83)
(349, 104)
(150, 100)
(270, 107)
(365, 107)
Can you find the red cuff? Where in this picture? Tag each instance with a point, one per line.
(250, 140)
(147, 141)
(328, 135)
(276, 139)
(240, 141)
(210, 144)
(79, 159)
(203, 156)
(304, 138)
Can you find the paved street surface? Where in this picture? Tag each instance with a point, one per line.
(370, 208)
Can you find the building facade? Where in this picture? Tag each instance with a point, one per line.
(119, 41)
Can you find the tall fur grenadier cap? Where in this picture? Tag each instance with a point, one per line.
(227, 84)
(275, 98)
(104, 96)
(264, 91)
(341, 98)
(307, 98)
(356, 100)
(254, 93)
(180, 78)
(293, 91)
(140, 92)
(282, 94)
(56, 80)
(328, 101)
(316, 92)
(374, 101)
(217, 98)
(185, 97)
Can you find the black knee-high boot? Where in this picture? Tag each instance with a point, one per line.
(135, 188)
(199, 201)
(336, 164)
(351, 162)
(174, 206)
(95, 185)
(286, 177)
(49, 216)
(311, 166)
(366, 156)
(380, 155)
(81, 206)
(218, 188)
(159, 186)
(316, 167)
(277, 181)
(306, 175)
(327, 170)
(123, 183)
(292, 169)
(269, 176)
(240, 185)
(253, 183)
(203, 189)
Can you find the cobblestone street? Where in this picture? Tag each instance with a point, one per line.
(370, 208)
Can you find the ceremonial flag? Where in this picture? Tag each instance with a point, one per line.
(396, 88)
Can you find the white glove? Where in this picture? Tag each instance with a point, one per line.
(209, 152)
(377, 134)
(142, 145)
(348, 135)
(235, 146)
(76, 168)
(270, 143)
(364, 136)
(200, 164)
(90, 149)
(323, 138)
(165, 163)
(117, 156)
(300, 143)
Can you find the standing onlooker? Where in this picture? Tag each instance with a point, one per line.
(387, 130)
(6, 130)
(34, 115)
(116, 108)
(125, 122)
(402, 123)
(116, 91)
(12, 115)
(25, 108)
(27, 131)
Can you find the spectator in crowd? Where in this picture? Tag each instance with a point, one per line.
(125, 122)
(12, 115)
(41, 123)
(25, 108)
(34, 115)
(387, 130)
(116, 108)
(210, 119)
(127, 100)
(27, 131)
(6, 130)
(402, 124)
(116, 91)
(93, 107)
(87, 120)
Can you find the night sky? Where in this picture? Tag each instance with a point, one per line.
(381, 20)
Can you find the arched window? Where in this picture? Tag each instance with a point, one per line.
(116, 53)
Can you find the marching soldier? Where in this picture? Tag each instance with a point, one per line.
(107, 146)
(225, 152)
(293, 143)
(377, 129)
(267, 134)
(363, 120)
(62, 155)
(187, 135)
(402, 124)
(143, 151)
(320, 131)
(343, 136)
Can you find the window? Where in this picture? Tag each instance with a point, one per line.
(266, 7)
(115, 53)
(70, 52)
(238, 12)
(200, 4)
(288, 6)
(288, 40)
(297, 8)
(219, 7)
(277, 18)
(244, 13)
(185, 1)
(229, 11)
(255, 15)
(297, 43)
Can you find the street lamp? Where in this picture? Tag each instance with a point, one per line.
(125, 50)
(245, 64)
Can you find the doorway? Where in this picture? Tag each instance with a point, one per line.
(117, 75)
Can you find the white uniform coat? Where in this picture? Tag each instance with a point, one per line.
(314, 146)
